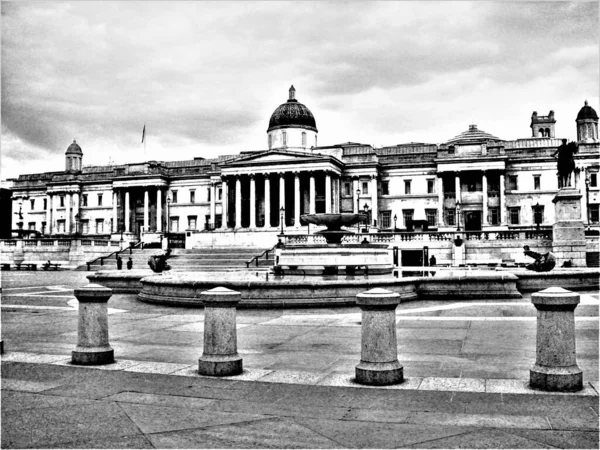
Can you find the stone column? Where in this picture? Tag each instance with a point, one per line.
(224, 204)
(485, 197)
(440, 193)
(555, 368)
(354, 196)
(146, 210)
(238, 202)
(281, 196)
(379, 363)
(327, 193)
(502, 201)
(374, 208)
(67, 213)
(457, 186)
(49, 214)
(55, 203)
(267, 201)
(158, 209)
(312, 194)
(92, 330)
(297, 195)
(115, 222)
(220, 356)
(252, 202)
(127, 222)
(213, 203)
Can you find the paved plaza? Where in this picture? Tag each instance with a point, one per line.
(466, 365)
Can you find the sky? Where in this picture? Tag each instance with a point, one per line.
(205, 77)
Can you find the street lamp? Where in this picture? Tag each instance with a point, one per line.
(358, 208)
(281, 212)
(395, 220)
(366, 208)
(457, 216)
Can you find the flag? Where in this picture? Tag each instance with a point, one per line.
(144, 133)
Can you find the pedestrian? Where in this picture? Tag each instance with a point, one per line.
(129, 263)
(432, 260)
(119, 263)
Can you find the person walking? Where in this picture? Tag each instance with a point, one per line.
(119, 263)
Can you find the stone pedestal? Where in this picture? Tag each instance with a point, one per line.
(568, 235)
(379, 354)
(556, 367)
(220, 357)
(92, 331)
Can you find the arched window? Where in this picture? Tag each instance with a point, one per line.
(303, 139)
(547, 132)
(284, 138)
(541, 132)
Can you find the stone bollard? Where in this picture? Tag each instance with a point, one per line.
(92, 331)
(379, 354)
(556, 367)
(220, 357)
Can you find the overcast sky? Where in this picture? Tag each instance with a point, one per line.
(206, 76)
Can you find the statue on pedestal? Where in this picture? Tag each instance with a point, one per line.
(566, 162)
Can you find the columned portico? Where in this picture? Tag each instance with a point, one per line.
(238, 203)
(127, 212)
(252, 202)
(115, 217)
(374, 209)
(225, 204)
(327, 193)
(296, 199)
(68, 213)
(312, 194)
(158, 210)
(502, 201)
(267, 201)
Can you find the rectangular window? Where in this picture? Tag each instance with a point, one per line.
(407, 215)
(32, 201)
(84, 200)
(208, 194)
(45, 204)
(536, 182)
(594, 213)
(593, 180)
(60, 225)
(284, 138)
(450, 217)
(385, 188)
(494, 216)
(31, 225)
(99, 199)
(432, 217)
(62, 201)
(431, 186)
(365, 188)
(85, 226)
(514, 214)
(538, 214)
(174, 196)
(192, 196)
(347, 189)
(99, 226)
(174, 224)
(512, 183)
(407, 187)
(451, 151)
(220, 193)
(192, 222)
(386, 219)
(43, 227)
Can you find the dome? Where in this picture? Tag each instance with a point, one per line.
(473, 136)
(292, 114)
(74, 148)
(587, 112)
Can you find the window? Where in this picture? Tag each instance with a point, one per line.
(174, 196)
(208, 194)
(43, 227)
(32, 201)
(99, 226)
(85, 226)
(386, 219)
(99, 199)
(385, 188)
(494, 215)
(174, 224)
(192, 196)
(538, 214)
(514, 215)
(220, 193)
(284, 138)
(62, 201)
(450, 216)
(451, 151)
(536, 182)
(45, 204)
(303, 139)
(60, 225)
(31, 225)
(593, 180)
(430, 186)
(365, 188)
(192, 222)
(407, 187)
(270, 141)
(407, 214)
(432, 217)
(84, 200)
(347, 189)
(594, 213)
(512, 183)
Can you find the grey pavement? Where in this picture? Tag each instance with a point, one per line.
(466, 366)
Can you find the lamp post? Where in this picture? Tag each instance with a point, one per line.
(395, 220)
(358, 208)
(168, 227)
(366, 208)
(457, 216)
(77, 224)
(587, 199)
(281, 216)
(537, 217)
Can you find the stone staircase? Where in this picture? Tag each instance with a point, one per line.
(194, 260)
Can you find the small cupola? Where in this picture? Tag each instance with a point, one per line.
(73, 157)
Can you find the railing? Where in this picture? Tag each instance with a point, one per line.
(102, 258)
(257, 257)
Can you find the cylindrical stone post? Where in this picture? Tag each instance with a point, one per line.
(92, 331)
(556, 367)
(220, 357)
(379, 363)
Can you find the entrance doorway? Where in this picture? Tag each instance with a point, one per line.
(473, 220)
(412, 258)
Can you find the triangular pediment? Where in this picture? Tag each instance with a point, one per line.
(276, 156)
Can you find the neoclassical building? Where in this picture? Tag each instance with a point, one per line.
(474, 181)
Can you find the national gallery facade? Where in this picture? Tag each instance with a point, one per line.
(474, 181)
